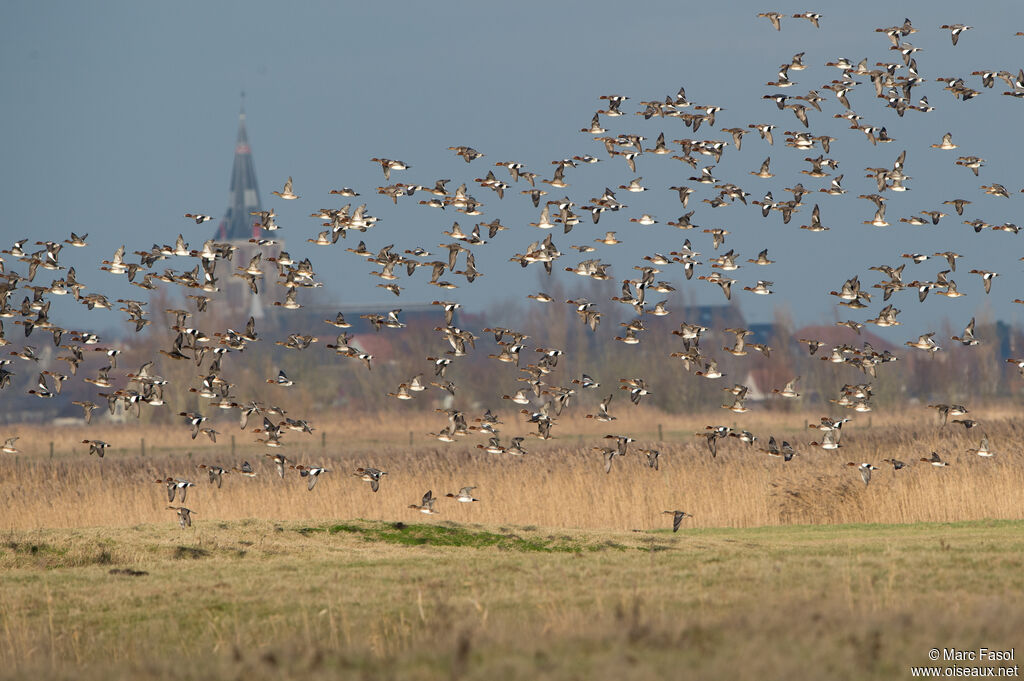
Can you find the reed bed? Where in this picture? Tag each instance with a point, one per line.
(560, 483)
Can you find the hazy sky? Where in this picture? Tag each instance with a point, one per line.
(120, 117)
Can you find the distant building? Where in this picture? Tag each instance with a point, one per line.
(834, 335)
(715, 316)
(238, 226)
(763, 332)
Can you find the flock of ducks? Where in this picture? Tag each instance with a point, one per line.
(894, 86)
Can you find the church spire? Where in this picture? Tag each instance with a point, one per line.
(244, 197)
(237, 228)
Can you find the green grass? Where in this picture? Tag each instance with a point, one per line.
(324, 600)
(450, 534)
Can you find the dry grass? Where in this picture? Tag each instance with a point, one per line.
(260, 600)
(560, 483)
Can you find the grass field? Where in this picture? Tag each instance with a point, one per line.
(361, 599)
(787, 570)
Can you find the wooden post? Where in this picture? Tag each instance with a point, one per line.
(660, 436)
(410, 438)
(232, 446)
(51, 449)
(142, 446)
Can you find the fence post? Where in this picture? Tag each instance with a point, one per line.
(232, 446)
(51, 449)
(660, 436)
(142, 446)
(410, 438)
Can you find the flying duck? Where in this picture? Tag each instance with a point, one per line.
(184, 515)
(677, 518)
(465, 495)
(865, 471)
(286, 193)
(426, 505)
(370, 475)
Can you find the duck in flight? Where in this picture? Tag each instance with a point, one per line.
(935, 460)
(311, 473)
(287, 192)
(426, 504)
(677, 518)
(865, 471)
(184, 515)
(465, 495)
(370, 475)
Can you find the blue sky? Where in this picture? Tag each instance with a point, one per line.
(120, 117)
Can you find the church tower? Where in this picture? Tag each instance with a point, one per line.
(240, 228)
